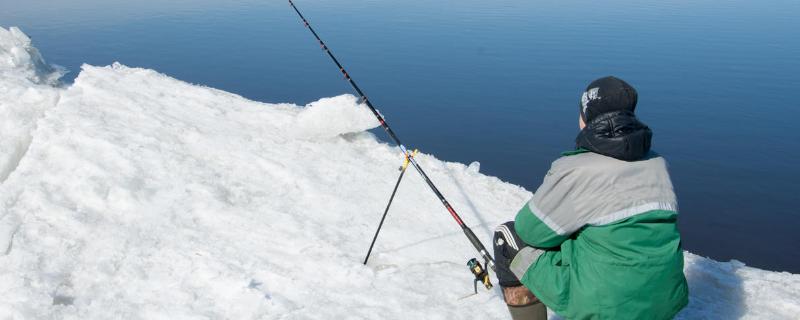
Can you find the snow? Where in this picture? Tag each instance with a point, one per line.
(133, 195)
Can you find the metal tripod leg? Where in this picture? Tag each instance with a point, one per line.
(396, 185)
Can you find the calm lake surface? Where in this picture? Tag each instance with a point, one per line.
(499, 82)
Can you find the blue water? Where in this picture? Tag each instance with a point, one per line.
(499, 81)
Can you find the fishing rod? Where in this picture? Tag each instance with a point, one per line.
(488, 260)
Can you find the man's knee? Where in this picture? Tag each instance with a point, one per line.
(506, 246)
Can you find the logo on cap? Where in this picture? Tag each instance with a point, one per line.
(588, 96)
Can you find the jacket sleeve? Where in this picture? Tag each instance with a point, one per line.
(550, 217)
(533, 231)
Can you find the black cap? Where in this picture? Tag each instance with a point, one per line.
(607, 94)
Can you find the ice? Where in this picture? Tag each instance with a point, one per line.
(330, 117)
(133, 195)
(18, 58)
(26, 92)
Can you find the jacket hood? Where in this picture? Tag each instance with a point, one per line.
(618, 135)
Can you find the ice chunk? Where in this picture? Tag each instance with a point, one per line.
(330, 117)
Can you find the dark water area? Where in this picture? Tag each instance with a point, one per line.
(499, 82)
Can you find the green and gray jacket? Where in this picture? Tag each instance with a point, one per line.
(604, 239)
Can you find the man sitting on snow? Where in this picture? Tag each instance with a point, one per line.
(598, 240)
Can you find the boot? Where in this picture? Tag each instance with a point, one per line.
(523, 305)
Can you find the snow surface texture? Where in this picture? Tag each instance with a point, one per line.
(132, 195)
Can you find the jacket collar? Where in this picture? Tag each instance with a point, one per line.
(618, 135)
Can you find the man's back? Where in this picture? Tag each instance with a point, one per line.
(613, 223)
(588, 188)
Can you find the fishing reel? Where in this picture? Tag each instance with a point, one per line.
(480, 273)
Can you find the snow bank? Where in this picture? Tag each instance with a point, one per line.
(141, 196)
(25, 93)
